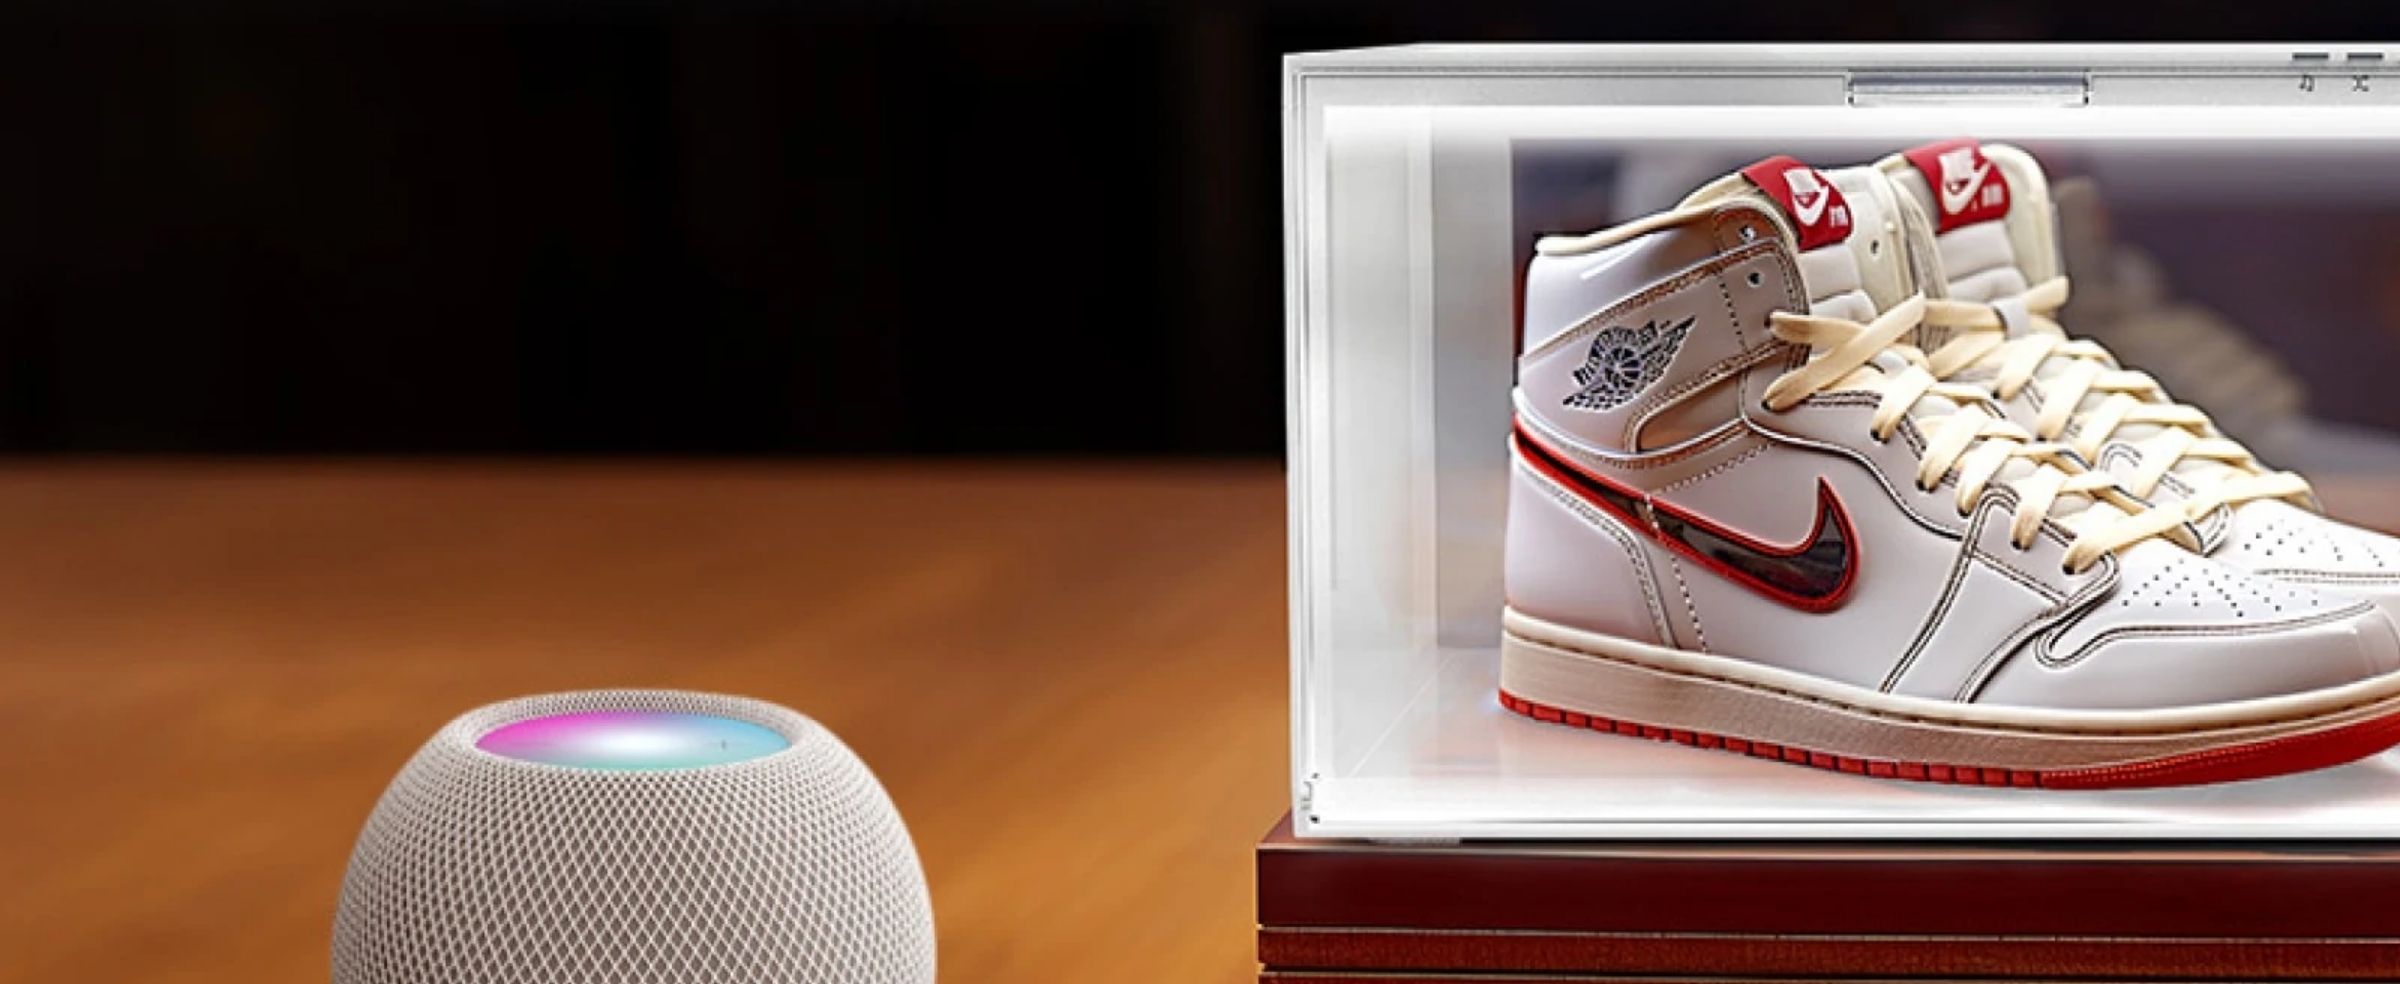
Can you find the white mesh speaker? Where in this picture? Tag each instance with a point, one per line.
(709, 853)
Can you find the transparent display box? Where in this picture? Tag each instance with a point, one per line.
(2261, 182)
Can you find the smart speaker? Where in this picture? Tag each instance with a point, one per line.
(652, 836)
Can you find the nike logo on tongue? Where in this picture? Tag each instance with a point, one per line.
(1820, 217)
(1969, 188)
(1808, 195)
(1959, 192)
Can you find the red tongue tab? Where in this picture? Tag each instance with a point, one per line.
(1966, 188)
(1813, 203)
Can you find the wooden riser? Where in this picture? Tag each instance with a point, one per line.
(1841, 958)
(1576, 911)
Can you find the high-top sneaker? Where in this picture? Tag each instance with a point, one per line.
(1981, 217)
(1745, 516)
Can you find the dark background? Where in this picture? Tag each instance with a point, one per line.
(715, 227)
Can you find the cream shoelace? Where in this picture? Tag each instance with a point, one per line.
(2127, 397)
(1973, 439)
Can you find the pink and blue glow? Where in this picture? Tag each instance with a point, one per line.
(632, 741)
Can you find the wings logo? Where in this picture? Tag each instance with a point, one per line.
(1623, 362)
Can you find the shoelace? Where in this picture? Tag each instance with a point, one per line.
(1972, 439)
(2127, 397)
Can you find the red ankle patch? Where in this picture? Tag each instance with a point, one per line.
(1966, 188)
(1820, 217)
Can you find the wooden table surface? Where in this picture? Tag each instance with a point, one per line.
(1072, 679)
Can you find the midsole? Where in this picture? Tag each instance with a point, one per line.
(1636, 682)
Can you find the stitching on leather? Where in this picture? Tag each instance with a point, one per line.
(1885, 715)
(1713, 470)
(1907, 508)
(1787, 269)
(1980, 675)
(2213, 528)
(2082, 600)
(1999, 565)
(1700, 635)
(1647, 408)
(1659, 290)
(1733, 314)
(2330, 577)
(2049, 530)
(1713, 267)
(1608, 524)
(2047, 651)
(1914, 436)
(1908, 432)
(1735, 368)
(1952, 584)
(1844, 398)
(2063, 604)
(1567, 444)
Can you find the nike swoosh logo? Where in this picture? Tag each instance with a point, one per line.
(1954, 204)
(1814, 575)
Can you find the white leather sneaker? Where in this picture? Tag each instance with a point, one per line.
(1993, 264)
(1744, 515)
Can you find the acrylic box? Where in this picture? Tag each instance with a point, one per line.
(2262, 182)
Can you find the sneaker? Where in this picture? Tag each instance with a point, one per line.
(1745, 515)
(1981, 219)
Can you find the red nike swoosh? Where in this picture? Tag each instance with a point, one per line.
(1815, 574)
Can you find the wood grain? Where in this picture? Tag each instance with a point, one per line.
(1070, 677)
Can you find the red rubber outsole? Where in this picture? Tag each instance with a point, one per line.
(2254, 760)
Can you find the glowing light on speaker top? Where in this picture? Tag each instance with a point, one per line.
(632, 741)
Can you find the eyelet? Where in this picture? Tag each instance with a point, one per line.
(2066, 570)
(1755, 279)
(1874, 247)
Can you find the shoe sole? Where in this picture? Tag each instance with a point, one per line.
(1566, 676)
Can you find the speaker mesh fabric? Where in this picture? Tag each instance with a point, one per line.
(479, 869)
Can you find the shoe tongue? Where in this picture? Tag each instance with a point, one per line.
(1994, 236)
(1841, 225)
(1846, 228)
(1989, 205)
